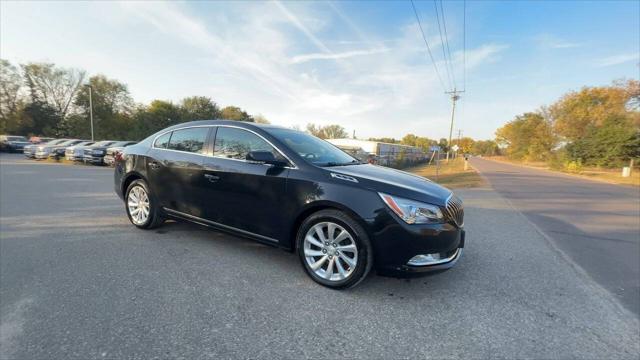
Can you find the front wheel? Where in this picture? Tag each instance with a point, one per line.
(141, 206)
(334, 249)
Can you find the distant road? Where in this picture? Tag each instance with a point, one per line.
(596, 224)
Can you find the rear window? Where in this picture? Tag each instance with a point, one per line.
(16, 138)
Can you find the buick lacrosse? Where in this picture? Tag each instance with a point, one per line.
(292, 190)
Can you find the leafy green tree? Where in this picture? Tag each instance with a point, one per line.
(327, 132)
(199, 108)
(112, 106)
(10, 101)
(260, 119)
(54, 86)
(235, 113)
(444, 145)
(611, 144)
(38, 118)
(485, 148)
(528, 137)
(409, 139)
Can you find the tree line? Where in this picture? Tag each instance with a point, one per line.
(47, 100)
(595, 126)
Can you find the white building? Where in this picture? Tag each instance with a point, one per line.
(386, 153)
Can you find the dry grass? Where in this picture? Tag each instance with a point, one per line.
(613, 176)
(452, 175)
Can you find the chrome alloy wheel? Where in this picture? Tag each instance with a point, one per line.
(330, 251)
(138, 204)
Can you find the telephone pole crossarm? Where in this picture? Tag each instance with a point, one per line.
(454, 97)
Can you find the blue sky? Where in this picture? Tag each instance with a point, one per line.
(360, 64)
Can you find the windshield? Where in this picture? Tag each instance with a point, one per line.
(55, 142)
(68, 143)
(103, 143)
(313, 149)
(16, 138)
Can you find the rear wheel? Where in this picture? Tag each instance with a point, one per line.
(141, 206)
(334, 249)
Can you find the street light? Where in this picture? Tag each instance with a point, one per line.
(90, 109)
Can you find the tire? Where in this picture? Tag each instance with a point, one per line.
(138, 189)
(338, 270)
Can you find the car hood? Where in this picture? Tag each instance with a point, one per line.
(395, 182)
(18, 142)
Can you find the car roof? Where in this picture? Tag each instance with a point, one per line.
(245, 124)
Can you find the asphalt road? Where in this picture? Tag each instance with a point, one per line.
(596, 224)
(77, 281)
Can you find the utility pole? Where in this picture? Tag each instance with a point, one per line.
(458, 143)
(90, 109)
(454, 97)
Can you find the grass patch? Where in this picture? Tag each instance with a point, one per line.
(613, 176)
(451, 175)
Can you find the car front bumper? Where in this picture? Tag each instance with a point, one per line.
(395, 243)
(74, 157)
(93, 159)
(41, 155)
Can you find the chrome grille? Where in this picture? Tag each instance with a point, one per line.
(455, 210)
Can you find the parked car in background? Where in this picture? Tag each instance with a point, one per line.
(44, 150)
(39, 139)
(290, 189)
(60, 151)
(30, 150)
(95, 153)
(13, 143)
(76, 152)
(114, 150)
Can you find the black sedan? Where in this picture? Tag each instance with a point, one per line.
(95, 153)
(289, 189)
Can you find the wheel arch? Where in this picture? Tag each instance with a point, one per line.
(129, 178)
(314, 208)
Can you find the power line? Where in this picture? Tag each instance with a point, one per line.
(464, 45)
(446, 39)
(444, 53)
(427, 44)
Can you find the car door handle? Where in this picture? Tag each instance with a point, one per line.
(212, 178)
(154, 165)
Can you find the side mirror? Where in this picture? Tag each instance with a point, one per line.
(265, 157)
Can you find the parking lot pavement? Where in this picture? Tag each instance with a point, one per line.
(78, 281)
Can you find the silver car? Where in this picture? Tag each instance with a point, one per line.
(30, 150)
(76, 152)
(43, 151)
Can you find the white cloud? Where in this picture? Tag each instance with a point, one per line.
(343, 55)
(617, 59)
(553, 42)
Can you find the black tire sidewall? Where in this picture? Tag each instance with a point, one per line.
(365, 256)
(152, 203)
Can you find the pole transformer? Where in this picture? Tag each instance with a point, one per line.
(454, 97)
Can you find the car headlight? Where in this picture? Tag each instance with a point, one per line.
(413, 212)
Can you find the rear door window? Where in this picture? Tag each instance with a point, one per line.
(233, 143)
(189, 140)
(162, 141)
